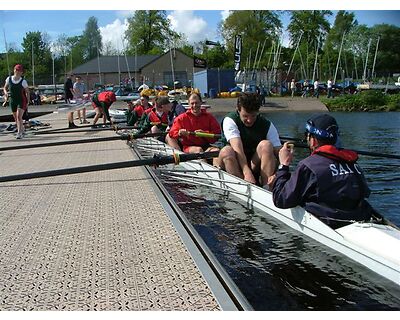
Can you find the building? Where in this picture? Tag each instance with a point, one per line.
(164, 69)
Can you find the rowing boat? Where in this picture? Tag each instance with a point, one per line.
(372, 244)
(71, 107)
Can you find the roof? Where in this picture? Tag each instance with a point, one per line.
(109, 64)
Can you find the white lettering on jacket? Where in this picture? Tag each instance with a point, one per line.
(341, 170)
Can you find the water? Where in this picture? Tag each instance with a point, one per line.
(277, 268)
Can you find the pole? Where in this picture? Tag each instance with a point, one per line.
(127, 137)
(33, 68)
(301, 144)
(8, 61)
(315, 61)
(98, 61)
(54, 80)
(294, 54)
(337, 64)
(376, 52)
(366, 61)
(172, 67)
(157, 160)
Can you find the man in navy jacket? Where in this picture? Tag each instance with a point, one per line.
(329, 183)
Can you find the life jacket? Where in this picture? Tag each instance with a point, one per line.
(158, 121)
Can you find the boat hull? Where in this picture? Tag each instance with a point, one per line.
(358, 241)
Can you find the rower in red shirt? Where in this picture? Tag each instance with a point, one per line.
(194, 120)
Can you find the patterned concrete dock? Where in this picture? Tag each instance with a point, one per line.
(93, 241)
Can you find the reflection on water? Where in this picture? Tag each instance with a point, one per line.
(277, 268)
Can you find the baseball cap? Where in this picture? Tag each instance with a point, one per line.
(19, 67)
(323, 126)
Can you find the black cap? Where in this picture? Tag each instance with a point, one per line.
(323, 126)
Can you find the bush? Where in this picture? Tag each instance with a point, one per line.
(371, 100)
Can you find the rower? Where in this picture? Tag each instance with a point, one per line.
(251, 143)
(194, 120)
(156, 120)
(329, 183)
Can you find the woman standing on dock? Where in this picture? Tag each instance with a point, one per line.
(17, 93)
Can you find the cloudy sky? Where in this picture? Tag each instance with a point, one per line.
(197, 25)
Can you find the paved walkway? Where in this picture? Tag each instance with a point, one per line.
(93, 241)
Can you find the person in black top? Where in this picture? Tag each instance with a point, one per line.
(68, 87)
(329, 183)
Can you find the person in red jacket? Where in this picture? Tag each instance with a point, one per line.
(192, 121)
(101, 103)
(157, 119)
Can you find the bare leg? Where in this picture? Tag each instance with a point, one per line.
(227, 161)
(99, 112)
(264, 159)
(172, 142)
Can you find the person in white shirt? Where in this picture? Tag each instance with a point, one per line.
(293, 87)
(316, 88)
(16, 91)
(329, 87)
(251, 143)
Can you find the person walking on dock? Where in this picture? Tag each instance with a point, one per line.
(292, 87)
(16, 91)
(329, 85)
(316, 88)
(251, 143)
(305, 89)
(329, 183)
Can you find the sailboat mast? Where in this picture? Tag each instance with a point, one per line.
(376, 52)
(366, 61)
(337, 64)
(98, 61)
(33, 67)
(8, 61)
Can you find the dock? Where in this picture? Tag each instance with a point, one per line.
(104, 240)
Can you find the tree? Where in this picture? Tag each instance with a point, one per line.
(255, 27)
(41, 52)
(149, 32)
(388, 56)
(91, 38)
(344, 23)
(312, 27)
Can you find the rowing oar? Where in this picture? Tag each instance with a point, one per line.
(201, 134)
(114, 128)
(299, 143)
(156, 160)
(127, 137)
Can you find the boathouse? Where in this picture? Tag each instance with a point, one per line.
(164, 69)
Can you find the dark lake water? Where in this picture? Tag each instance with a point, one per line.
(279, 269)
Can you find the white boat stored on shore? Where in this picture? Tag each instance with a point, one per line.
(372, 244)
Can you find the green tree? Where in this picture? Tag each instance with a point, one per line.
(256, 28)
(388, 55)
(149, 32)
(344, 23)
(41, 56)
(91, 39)
(312, 27)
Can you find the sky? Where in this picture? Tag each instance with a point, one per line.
(197, 25)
